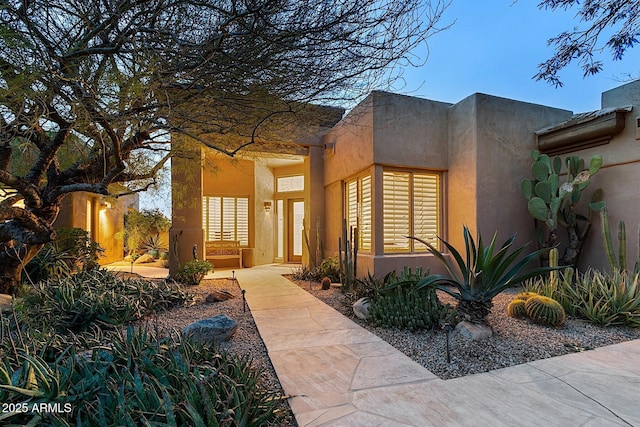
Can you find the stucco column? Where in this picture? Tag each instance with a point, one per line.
(314, 206)
(186, 208)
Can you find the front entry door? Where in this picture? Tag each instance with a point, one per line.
(295, 229)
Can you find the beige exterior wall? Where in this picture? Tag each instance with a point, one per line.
(489, 154)
(619, 178)
(105, 222)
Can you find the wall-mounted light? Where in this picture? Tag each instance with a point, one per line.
(267, 206)
(105, 205)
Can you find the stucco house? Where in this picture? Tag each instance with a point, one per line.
(398, 165)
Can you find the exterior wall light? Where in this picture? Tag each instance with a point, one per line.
(267, 206)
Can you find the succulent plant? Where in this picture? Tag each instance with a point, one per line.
(552, 204)
(525, 295)
(325, 283)
(545, 311)
(619, 264)
(516, 308)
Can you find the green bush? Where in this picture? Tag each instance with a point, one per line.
(97, 297)
(193, 271)
(138, 379)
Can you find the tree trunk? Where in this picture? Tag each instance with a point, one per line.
(12, 262)
(574, 247)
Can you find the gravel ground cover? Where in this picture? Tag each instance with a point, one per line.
(246, 342)
(514, 341)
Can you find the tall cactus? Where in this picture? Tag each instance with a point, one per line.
(618, 263)
(348, 255)
(552, 204)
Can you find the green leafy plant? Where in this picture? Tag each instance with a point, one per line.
(545, 311)
(138, 379)
(193, 271)
(154, 244)
(97, 297)
(139, 225)
(604, 299)
(552, 204)
(481, 275)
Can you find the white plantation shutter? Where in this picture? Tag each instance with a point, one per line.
(396, 206)
(242, 221)
(425, 209)
(364, 227)
(226, 218)
(358, 201)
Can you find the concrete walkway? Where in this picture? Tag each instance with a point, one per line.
(339, 374)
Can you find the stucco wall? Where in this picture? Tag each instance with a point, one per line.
(263, 248)
(619, 178)
(410, 132)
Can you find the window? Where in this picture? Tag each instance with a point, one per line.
(358, 204)
(286, 184)
(226, 218)
(411, 207)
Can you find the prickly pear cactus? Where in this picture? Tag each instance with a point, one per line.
(552, 203)
(516, 308)
(545, 311)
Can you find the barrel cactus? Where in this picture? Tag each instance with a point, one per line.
(516, 308)
(525, 295)
(325, 283)
(545, 311)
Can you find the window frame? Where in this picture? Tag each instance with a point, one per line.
(363, 209)
(239, 231)
(413, 246)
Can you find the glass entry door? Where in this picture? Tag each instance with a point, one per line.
(295, 229)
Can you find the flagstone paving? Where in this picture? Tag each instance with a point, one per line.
(339, 374)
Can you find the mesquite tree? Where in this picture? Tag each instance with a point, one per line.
(91, 92)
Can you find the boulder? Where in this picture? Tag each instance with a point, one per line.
(211, 330)
(5, 303)
(217, 296)
(474, 331)
(361, 308)
(143, 259)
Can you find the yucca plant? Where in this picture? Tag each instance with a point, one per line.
(482, 274)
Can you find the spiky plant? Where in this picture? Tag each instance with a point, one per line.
(482, 274)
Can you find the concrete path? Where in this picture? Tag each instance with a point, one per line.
(339, 374)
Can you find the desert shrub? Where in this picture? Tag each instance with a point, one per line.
(97, 297)
(328, 268)
(396, 303)
(71, 251)
(139, 225)
(138, 379)
(604, 299)
(192, 272)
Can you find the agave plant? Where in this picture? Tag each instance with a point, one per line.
(483, 274)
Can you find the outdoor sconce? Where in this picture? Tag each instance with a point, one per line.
(267, 206)
(105, 205)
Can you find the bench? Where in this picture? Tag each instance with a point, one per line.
(223, 249)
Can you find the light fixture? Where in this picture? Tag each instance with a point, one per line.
(105, 205)
(267, 206)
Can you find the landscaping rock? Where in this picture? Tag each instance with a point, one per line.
(143, 259)
(361, 308)
(474, 331)
(5, 303)
(219, 295)
(214, 329)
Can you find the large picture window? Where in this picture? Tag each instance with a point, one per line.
(411, 207)
(226, 218)
(358, 209)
